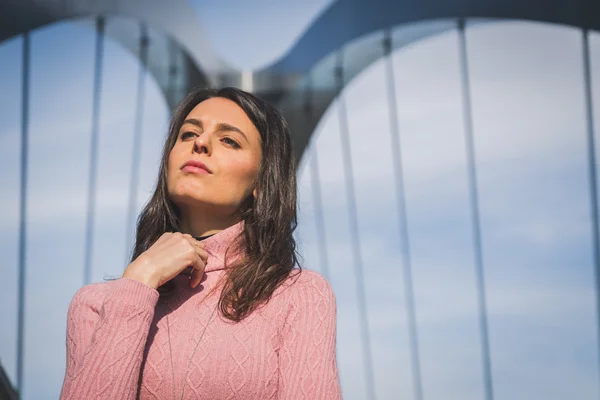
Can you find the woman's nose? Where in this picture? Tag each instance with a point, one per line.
(202, 144)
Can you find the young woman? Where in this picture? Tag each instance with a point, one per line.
(212, 305)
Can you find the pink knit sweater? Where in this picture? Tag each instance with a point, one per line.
(118, 347)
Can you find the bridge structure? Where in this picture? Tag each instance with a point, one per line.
(346, 38)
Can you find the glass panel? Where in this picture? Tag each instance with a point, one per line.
(306, 233)
(594, 43)
(62, 60)
(432, 145)
(530, 136)
(327, 140)
(115, 147)
(59, 138)
(10, 158)
(155, 127)
(369, 132)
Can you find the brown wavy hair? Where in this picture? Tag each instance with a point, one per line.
(270, 219)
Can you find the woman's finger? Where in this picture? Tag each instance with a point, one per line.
(199, 246)
(197, 272)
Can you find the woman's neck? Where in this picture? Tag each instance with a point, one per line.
(199, 226)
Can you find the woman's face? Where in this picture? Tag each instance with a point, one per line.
(215, 159)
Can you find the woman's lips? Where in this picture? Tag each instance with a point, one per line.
(194, 170)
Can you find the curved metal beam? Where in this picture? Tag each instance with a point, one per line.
(347, 21)
(177, 19)
(367, 50)
(173, 29)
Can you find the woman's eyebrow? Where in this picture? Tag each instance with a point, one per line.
(224, 126)
(194, 122)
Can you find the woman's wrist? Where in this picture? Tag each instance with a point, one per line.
(140, 273)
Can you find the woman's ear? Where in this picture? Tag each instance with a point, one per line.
(254, 193)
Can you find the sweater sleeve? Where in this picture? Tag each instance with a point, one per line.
(107, 328)
(307, 356)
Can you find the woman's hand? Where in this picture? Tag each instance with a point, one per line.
(166, 258)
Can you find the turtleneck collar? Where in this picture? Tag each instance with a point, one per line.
(217, 245)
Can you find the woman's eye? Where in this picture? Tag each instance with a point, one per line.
(186, 135)
(231, 142)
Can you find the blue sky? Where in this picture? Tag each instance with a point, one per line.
(529, 125)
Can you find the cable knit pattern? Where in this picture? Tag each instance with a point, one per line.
(118, 348)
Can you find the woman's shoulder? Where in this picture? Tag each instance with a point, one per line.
(97, 293)
(92, 293)
(303, 296)
(306, 277)
(306, 283)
